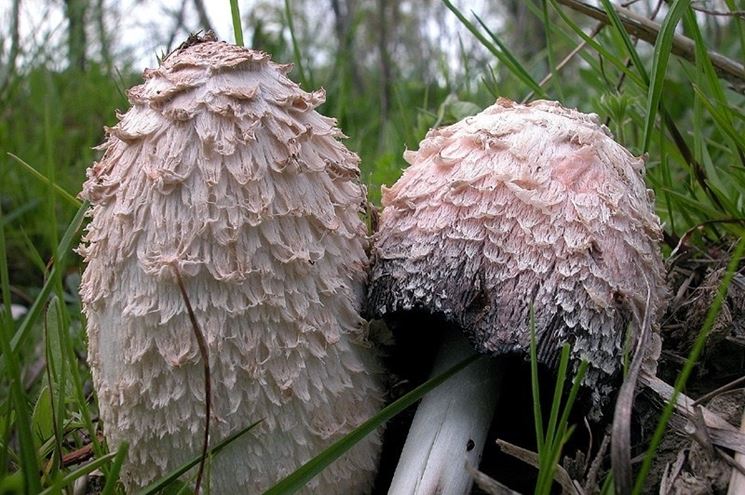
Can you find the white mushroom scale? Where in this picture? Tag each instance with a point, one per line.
(223, 171)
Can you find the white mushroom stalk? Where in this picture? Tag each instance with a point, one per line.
(518, 207)
(450, 425)
(222, 172)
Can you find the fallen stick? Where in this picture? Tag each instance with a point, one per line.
(719, 431)
(647, 30)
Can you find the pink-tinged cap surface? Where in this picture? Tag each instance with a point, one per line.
(520, 206)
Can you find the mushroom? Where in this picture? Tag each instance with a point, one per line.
(223, 174)
(518, 207)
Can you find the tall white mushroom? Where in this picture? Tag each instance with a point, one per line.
(223, 171)
(519, 206)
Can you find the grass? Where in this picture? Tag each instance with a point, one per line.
(557, 432)
(685, 373)
(305, 473)
(679, 111)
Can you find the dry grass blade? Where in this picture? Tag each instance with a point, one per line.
(724, 388)
(591, 480)
(648, 30)
(720, 432)
(700, 432)
(488, 484)
(671, 474)
(531, 458)
(737, 481)
(703, 436)
(620, 450)
(202, 343)
(736, 466)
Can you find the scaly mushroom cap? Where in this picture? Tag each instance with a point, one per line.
(523, 205)
(223, 170)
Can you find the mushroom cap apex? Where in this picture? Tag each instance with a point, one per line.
(213, 54)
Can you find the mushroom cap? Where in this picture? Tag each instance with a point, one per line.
(223, 170)
(523, 206)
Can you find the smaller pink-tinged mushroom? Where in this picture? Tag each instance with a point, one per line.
(518, 207)
(223, 174)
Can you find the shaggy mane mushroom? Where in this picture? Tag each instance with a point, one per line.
(518, 207)
(223, 173)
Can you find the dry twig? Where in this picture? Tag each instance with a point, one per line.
(719, 431)
(620, 450)
(724, 388)
(647, 30)
(731, 13)
(531, 458)
(489, 484)
(671, 473)
(204, 351)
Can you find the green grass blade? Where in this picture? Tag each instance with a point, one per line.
(78, 473)
(694, 205)
(576, 385)
(12, 372)
(511, 61)
(501, 53)
(42, 424)
(295, 48)
(176, 473)
(5, 312)
(116, 467)
(740, 25)
(32, 253)
(607, 55)
(535, 386)
(550, 56)
(553, 417)
(5, 452)
(621, 33)
(704, 66)
(608, 487)
(62, 250)
(667, 180)
(79, 395)
(721, 117)
(19, 212)
(54, 335)
(662, 50)
(44, 180)
(559, 431)
(306, 472)
(690, 363)
(235, 13)
(548, 464)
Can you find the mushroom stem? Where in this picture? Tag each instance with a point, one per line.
(450, 426)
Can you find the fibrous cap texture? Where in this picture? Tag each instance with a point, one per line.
(223, 170)
(524, 206)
